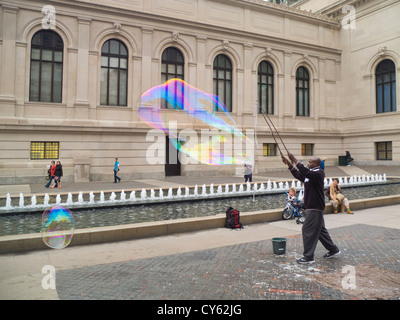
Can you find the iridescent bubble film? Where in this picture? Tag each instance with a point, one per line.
(58, 226)
(225, 143)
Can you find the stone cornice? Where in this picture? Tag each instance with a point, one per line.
(286, 8)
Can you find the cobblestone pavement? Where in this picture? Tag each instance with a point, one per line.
(247, 271)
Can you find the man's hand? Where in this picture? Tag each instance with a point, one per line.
(292, 158)
(286, 161)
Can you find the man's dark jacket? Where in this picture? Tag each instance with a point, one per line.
(313, 180)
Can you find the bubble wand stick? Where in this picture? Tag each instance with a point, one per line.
(272, 131)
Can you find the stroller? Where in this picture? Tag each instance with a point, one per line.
(293, 211)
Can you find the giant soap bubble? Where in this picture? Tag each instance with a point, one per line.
(58, 226)
(195, 108)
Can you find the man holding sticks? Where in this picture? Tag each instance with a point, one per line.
(314, 202)
(314, 225)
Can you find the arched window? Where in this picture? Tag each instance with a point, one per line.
(222, 80)
(114, 73)
(172, 67)
(385, 86)
(266, 87)
(46, 67)
(302, 92)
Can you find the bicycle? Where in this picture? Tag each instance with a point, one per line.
(291, 212)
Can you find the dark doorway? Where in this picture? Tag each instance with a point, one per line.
(172, 163)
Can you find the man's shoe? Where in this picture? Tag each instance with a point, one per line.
(305, 260)
(330, 254)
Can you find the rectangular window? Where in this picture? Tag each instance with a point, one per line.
(307, 149)
(269, 149)
(384, 150)
(44, 150)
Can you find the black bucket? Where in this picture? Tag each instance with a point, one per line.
(279, 245)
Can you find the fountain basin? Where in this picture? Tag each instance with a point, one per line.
(89, 236)
(145, 196)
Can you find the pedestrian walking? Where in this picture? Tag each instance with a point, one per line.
(58, 173)
(116, 169)
(248, 173)
(51, 173)
(314, 202)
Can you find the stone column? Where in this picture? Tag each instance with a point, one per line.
(82, 74)
(8, 62)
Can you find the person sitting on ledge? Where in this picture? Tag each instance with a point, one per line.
(335, 196)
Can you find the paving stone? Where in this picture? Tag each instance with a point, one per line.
(247, 271)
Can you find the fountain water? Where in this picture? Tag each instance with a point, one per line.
(69, 199)
(33, 201)
(270, 187)
(80, 198)
(170, 195)
(21, 200)
(91, 197)
(8, 202)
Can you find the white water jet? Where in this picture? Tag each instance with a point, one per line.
(21, 200)
(161, 194)
(123, 196)
(143, 194)
(58, 199)
(91, 197)
(204, 191)
(248, 185)
(187, 192)
(211, 189)
(219, 189)
(241, 188)
(234, 188)
(196, 191)
(269, 185)
(255, 186)
(227, 188)
(132, 196)
(152, 194)
(286, 185)
(179, 192)
(113, 196)
(170, 195)
(69, 199)
(46, 200)
(33, 201)
(80, 198)
(102, 199)
(8, 201)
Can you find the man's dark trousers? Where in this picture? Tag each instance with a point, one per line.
(314, 230)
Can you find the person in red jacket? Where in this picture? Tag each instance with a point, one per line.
(51, 173)
(314, 202)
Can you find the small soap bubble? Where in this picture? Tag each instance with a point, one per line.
(58, 226)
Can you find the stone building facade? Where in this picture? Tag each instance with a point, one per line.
(73, 72)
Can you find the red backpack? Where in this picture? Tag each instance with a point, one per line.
(233, 219)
